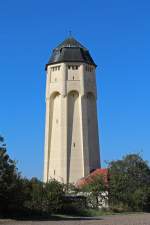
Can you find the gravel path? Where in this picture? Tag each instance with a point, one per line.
(131, 219)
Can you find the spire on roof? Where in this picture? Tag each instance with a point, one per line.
(70, 33)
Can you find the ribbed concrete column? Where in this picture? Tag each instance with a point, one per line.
(84, 123)
(94, 77)
(82, 79)
(47, 140)
(48, 80)
(64, 79)
(63, 139)
(83, 138)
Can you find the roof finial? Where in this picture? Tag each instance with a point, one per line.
(70, 33)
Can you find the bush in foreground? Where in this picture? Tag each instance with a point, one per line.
(128, 189)
(129, 184)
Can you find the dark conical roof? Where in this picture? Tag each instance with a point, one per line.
(70, 42)
(70, 50)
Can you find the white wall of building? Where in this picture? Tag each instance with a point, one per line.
(71, 128)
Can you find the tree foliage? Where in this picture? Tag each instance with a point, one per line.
(9, 181)
(129, 184)
(128, 188)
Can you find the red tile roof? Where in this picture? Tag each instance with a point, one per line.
(86, 180)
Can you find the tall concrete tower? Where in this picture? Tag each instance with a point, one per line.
(71, 132)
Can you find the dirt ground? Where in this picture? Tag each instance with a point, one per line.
(131, 219)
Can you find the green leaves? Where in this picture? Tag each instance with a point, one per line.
(127, 188)
(129, 182)
(8, 180)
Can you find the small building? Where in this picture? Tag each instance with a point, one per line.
(88, 179)
(94, 177)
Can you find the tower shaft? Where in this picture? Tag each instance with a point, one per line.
(71, 131)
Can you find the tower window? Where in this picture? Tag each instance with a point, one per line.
(89, 68)
(55, 68)
(73, 67)
(56, 120)
(73, 78)
(74, 144)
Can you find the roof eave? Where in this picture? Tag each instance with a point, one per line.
(66, 61)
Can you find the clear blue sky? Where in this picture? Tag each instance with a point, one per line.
(117, 34)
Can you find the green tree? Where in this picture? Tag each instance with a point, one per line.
(33, 192)
(9, 181)
(53, 195)
(129, 183)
